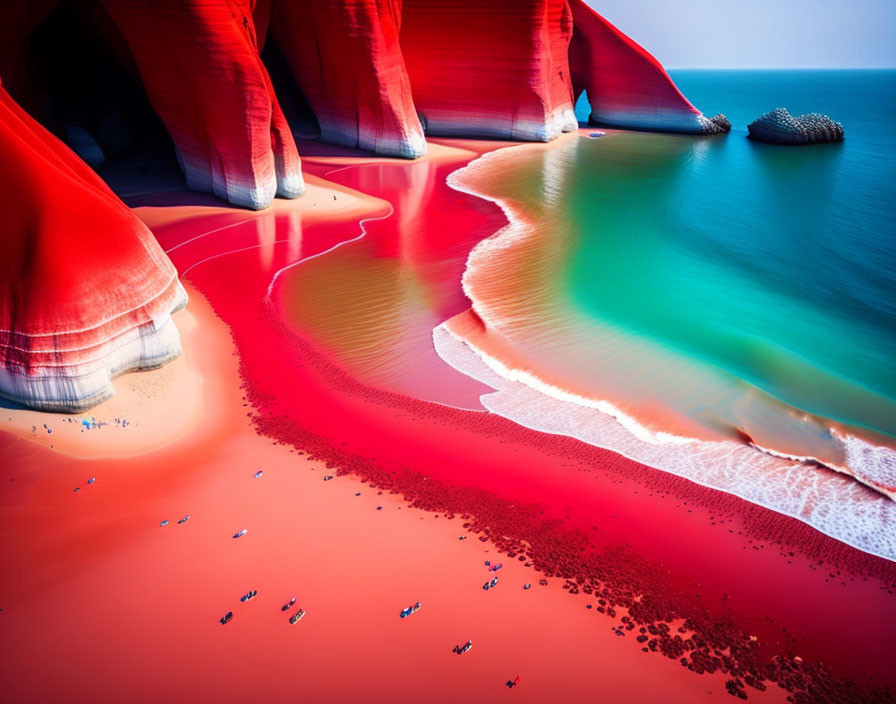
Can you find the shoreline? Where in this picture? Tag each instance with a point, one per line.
(98, 562)
(131, 423)
(477, 330)
(655, 548)
(418, 424)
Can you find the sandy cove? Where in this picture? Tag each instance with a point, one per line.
(122, 600)
(126, 605)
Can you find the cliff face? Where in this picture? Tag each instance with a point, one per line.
(626, 86)
(345, 56)
(490, 68)
(85, 291)
(371, 71)
(203, 75)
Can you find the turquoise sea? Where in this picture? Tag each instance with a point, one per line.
(775, 263)
(714, 307)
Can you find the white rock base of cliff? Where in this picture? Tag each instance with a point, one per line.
(78, 387)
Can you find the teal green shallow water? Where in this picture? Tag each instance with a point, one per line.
(776, 264)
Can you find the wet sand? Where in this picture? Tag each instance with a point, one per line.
(104, 600)
(100, 600)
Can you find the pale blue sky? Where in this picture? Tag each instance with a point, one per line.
(760, 33)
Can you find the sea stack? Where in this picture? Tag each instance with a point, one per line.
(780, 127)
(86, 293)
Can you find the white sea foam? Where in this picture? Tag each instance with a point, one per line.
(859, 514)
(834, 503)
(876, 464)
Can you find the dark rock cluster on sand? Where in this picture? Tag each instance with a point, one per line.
(780, 127)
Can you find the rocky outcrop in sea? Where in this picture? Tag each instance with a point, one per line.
(717, 124)
(780, 127)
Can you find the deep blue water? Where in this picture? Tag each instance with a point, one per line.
(775, 263)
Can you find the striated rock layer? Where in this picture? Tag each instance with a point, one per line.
(780, 127)
(87, 293)
(625, 85)
(376, 73)
(345, 56)
(200, 65)
(490, 68)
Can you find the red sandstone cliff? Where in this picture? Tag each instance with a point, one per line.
(490, 68)
(346, 58)
(85, 290)
(625, 85)
(203, 76)
(87, 293)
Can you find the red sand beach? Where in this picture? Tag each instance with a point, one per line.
(694, 594)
